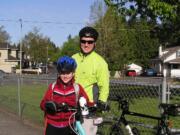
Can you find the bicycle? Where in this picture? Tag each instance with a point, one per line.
(76, 127)
(161, 129)
(78, 111)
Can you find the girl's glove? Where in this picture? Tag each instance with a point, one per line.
(50, 107)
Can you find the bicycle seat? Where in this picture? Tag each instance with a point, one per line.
(171, 109)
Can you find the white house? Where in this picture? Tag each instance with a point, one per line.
(168, 61)
(9, 57)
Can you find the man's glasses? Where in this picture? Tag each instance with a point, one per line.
(87, 41)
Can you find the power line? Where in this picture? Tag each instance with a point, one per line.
(122, 29)
(8, 20)
(43, 22)
(68, 23)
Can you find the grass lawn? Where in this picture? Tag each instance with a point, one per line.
(31, 95)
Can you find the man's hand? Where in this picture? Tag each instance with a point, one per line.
(103, 106)
(50, 107)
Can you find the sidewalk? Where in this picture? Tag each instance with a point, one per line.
(11, 125)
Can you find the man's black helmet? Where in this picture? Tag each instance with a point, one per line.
(88, 32)
(66, 64)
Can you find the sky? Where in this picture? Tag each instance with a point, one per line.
(54, 18)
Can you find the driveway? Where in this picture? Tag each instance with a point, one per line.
(11, 125)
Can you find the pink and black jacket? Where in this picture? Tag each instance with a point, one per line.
(61, 93)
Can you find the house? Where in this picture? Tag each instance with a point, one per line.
(9, 57)
(168, 61)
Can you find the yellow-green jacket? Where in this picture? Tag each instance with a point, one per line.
(92, 70)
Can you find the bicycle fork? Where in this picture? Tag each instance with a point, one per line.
(126, 124)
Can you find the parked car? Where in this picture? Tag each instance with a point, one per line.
(149, 72)
(2, 73)
(131, 73)
(32, 71)
(43, 69)
(2, 76)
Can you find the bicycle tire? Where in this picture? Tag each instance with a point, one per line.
(175, 133)
(116, 130)
(135, 131)
(163, 131)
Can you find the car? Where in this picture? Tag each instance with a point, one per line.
(2, 73)
(131, 73)
(149, 72)
(44, 69)
(32, 71)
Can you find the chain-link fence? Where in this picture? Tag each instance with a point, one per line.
(144, 96)
(22, 95)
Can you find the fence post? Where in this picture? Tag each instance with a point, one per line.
(168, 93)
(164, 88)
(47, 81)
(19, 97)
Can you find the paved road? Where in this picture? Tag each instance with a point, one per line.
(11, 125)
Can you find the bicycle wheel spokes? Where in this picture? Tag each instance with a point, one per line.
(163, 131)
(116, 130)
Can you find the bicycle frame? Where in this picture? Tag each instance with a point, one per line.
(79, 128)
(161, 121)
(162, 124)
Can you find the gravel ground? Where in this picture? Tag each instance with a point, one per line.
(11, 125)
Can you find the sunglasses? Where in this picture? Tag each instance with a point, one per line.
(87, 41)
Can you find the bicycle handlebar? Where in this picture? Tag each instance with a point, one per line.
(98, 108)
(65, 107)
(171, 109)
(92, 109)
(123, 103)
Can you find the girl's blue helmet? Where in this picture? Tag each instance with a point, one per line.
(66, 64)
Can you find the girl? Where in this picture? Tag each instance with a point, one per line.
(62, 95)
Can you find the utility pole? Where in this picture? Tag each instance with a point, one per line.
(20, 20)
(19, 79)
(47, 60)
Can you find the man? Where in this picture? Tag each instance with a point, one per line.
(92, 73)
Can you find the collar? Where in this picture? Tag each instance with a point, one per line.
(85, 55)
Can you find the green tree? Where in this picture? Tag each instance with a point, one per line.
(40, 48)
(165, 13)
(105, 21)
(70, 47)
(4, 36)
(141, 46)
(166, 9)
(123, 41)
(114, 40)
